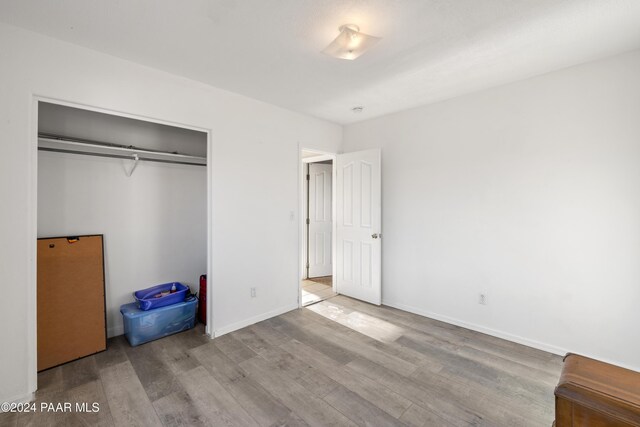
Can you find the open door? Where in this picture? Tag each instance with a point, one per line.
(358, 219)
(320, 224)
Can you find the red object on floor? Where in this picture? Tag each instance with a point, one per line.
(202, 297)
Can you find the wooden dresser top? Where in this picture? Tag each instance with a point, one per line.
(599, 385)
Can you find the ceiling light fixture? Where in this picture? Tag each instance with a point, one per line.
(350, 43)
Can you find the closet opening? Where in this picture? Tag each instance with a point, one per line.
(317, 281)
(122, 205)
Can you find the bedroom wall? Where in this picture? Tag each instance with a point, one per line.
(528, 193)
(251, 140)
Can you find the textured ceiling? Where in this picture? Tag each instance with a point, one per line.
(270, 49)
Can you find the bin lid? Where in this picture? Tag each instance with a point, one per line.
(131, 310)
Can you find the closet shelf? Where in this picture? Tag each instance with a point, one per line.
(60, 144)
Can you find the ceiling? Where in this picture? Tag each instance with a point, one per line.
(270, 49)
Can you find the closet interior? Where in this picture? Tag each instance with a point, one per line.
(139, 185)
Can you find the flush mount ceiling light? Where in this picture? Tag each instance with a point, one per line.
(350, 43)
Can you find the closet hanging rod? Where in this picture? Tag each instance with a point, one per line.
(54, 143)
(118, 156)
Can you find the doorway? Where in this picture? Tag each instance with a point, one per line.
(317, 282)
(356, 220)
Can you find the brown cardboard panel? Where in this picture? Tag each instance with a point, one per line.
(71, 300)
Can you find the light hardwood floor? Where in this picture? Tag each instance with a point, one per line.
(338, 362)
(316, 289)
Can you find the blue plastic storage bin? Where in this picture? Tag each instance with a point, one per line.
(143, 326)
(147, 299)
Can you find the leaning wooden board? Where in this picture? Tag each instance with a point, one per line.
(71, 299)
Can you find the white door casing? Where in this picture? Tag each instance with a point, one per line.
(320, 221)
(358, 218)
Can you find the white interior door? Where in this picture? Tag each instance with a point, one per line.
(358, 218)
(320, 223)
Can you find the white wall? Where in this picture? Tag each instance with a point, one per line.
(529, 193)
(154, 222)
(251, 199)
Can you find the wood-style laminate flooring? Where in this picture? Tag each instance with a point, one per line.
(316, 289)
(339, 362)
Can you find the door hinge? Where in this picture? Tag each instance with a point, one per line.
(308, 221)
(308, 177)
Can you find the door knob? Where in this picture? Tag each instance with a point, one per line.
(374, 236)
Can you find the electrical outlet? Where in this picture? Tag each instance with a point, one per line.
(253, 292)
(482, 299)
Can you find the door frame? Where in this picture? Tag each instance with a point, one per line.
(32, 287)
(302, 235)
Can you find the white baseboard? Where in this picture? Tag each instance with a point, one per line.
(478, 328)
(20, 399)
(119, 330)
(255, 319)
(507, 336)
